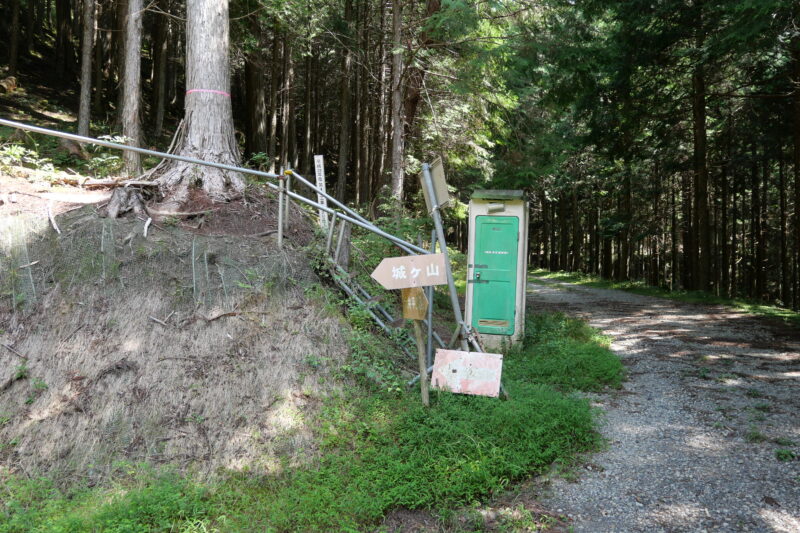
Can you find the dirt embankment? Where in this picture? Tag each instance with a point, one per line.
(191, 346)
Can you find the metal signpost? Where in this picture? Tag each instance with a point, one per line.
(437, 222)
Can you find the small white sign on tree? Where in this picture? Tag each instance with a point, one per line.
(319, 171)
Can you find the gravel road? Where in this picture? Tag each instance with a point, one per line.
(712, 397)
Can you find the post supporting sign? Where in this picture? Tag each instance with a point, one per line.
(411, 273)
(319, 171)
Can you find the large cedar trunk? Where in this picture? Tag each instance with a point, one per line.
(13, 49)
(286, 93)
(796, 62)
(702, 265)
(132, 86)
(207, 132)
(256, 115)
(161, 45)
(64, 55)
(273, 100)
(398, 172)
(86, 68)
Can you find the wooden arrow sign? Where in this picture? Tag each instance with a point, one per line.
(411, 271)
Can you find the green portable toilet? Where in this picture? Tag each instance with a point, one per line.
(497, 266)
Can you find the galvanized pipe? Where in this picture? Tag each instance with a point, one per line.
(353, 217)
(437, 222)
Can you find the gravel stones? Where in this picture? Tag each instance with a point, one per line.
(712, 395)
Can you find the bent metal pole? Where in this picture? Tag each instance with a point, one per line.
(351, 216)
(437, 222)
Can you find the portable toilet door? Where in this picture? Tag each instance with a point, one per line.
(497, 266)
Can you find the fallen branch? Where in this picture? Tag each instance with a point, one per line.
(147, 225)
(223, 315)
(109, 182)
(76, 330)
(77, 198)
(12, 350)
(178, 213)
(154, 319)
(51, 217)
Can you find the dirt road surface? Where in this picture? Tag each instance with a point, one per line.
(697, 434)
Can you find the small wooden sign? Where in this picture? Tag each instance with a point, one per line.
(411, 271)
(415, 303)
(467, 372)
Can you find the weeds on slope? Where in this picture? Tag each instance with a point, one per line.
(379, 451)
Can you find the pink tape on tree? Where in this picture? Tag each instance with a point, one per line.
(212, 91)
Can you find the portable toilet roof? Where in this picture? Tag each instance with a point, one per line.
(497, 194)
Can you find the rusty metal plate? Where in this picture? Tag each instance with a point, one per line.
(415, 303)
(474, 373)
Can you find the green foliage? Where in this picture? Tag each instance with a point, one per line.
(378, 451)
(15, 154)
(785, 455)
(566, 353)
(153, 503)
(21, 371)
(370, 364)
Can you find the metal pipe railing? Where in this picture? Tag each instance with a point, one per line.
(351, 216)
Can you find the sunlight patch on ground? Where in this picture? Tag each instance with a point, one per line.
(706, 443)
(780, 520)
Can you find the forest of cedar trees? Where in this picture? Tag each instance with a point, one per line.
(657, 140)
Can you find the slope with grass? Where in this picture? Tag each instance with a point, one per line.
(380, 450)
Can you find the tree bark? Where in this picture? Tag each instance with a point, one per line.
(256, 135)
(398, 170)
(723, 234)
(305, 159)
(132, 86)
(344, 105)
(84, 108)
(208, 123)
(624, 272)
(415, 75)
(64, 56)
(13, 48)
(273, 100)
(286, 94)
(702, 267)
(796, 159)
(163, 33)
(30, 26)
(785, 293)
(687, 236)
(100, 65)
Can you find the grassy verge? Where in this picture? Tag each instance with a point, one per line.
(380, 450)
(701, 297)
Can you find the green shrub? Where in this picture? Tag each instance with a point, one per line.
(380, 449)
